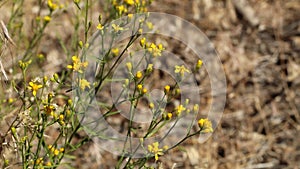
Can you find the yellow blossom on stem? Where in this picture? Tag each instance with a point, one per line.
(181, 70)
(205, 125)
(39, 161)
(167, 89)
(56, 152)
(48, 163)
(52, 5)
(143, 42)
(116, 28)
(34, 87)
(180, 109)
(139, 74)
(83, 83)
(149, 25)
(121, 9)
(169, 116)
(155, 50)
(115, 51)
(199, 64)
(149, 68)
(129, 2)
(196, 108)
(144, 91)
(130, 15)
(77, 64)
(155, 150)
(47, 18)
(62, 149)
(151, 105)
(140, 87)
(100, 26)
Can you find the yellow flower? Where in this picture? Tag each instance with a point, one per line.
(196, 108)
(181, 70)
(199, 64)
(39, 161)
(151, 105)
(34, 87)
(139, 87)
(205, 125)
(24, 65)
(129, 2)
(115, 51)
(143, 42)
(169, 116)
(155, 150)
(48, 163)
(56, 152)
(62, 149)
(140, 31)
(149, 25)
(47, 18)
(144, 91)
(130, 15)
(77, 64)
(149, 68)
(139, 74)
(100, 26)
(116, 28)
(180, 109)
(121, 9)
(51, 148)
(49, 109)
(61, 117)
(155, 50)
(52, 5)
(84, 84)
(167, 89)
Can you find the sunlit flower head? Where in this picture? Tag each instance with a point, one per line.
(155, 150)
(34, 87)
(181, 70)
(83, 84)
(77, 64)
(205, 125)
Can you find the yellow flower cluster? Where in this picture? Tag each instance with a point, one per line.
(121, 9)
(141, 89)
(154, 49)
(83, 83)
(52, 6)
(55, 151)
(205, 125)
(179, 109)
(155, 150)
(77, 64)
(24, 65)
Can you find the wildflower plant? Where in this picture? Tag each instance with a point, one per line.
(120, 59)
